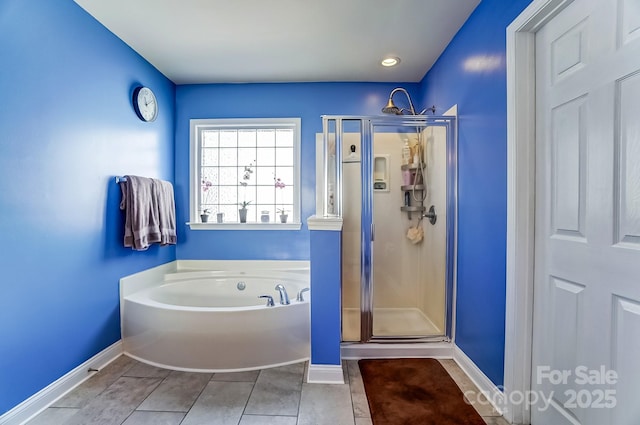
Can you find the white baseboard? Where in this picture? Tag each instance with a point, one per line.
(484, 384)
(325, 374)
(52, 392)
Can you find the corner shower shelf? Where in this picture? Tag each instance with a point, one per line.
(411, 166)
(409, 189)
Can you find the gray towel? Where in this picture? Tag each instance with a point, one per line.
(165, 206)
(149, 212)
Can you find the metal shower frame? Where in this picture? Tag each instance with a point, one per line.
(332, 163)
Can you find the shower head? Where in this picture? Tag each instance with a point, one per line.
(391, 107)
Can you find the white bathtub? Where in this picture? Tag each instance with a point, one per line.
(201, 321)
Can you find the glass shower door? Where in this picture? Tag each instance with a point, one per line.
(408, 281)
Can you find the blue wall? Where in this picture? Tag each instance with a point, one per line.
(472, 74)
(326, 297)
(306, 100)
(66, 128)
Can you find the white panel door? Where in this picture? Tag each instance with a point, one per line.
(587, 256)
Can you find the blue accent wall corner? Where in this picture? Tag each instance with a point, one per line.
(67, 127)
(471, 73)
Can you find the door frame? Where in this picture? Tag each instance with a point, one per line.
(521, 152)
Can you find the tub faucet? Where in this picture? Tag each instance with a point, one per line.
(284, 297)
(300, 296)
(269, 298)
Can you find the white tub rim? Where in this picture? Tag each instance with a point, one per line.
(143, 296)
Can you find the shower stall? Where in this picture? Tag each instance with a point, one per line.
(392, 179)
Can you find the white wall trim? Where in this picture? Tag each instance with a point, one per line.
(46, 396)
(521, 198)
(484, 384)
(325, 374)
(324, 223)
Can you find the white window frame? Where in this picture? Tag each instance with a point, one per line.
(199, 125)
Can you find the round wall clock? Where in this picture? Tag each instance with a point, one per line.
(145, 104)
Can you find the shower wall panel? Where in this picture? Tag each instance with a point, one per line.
(396, 261)
(351, 226)
(433, 264)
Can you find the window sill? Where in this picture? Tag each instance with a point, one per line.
(316, 222)
(244, 226)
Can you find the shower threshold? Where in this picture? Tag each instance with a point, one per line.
(391, 324)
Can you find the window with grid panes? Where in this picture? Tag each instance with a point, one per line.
(250, 162)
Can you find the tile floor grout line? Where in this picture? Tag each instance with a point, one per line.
(195, 399)
(246, 403)
(160, 381)
(301, 389)
(353, 407)
(148, 395)
(121, 375)
(185, 415)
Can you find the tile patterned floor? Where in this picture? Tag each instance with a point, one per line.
(127, 392)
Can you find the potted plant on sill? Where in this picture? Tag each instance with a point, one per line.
(204, 217)
(245, 177)
(205, 195)
(279, 184)
(243, 211)
(283, 215)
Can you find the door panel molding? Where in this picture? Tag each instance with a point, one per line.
(627, 157)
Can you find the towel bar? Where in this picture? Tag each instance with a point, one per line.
(121, 179)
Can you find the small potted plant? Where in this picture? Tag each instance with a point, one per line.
(204, 216)
(245, 177)
(243, 211)
(279, 184)
(205, 195)
(283, 215)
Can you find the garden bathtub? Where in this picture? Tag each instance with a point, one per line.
(213, 321)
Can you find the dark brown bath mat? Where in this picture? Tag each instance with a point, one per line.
(414, 392)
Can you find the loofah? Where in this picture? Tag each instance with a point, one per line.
(415, 234)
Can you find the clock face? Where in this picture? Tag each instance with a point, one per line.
(145, 104)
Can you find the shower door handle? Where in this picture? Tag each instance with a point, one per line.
(373, 232)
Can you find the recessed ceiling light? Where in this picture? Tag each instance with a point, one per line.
(390, 61)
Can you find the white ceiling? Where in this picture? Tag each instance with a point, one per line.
(216, 41)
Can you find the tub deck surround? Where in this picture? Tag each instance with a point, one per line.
(318, 222)
(212, 320)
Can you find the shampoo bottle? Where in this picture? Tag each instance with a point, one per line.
(406, 153)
